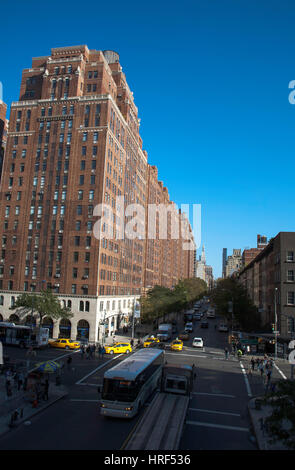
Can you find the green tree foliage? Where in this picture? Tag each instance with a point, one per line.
(281, 423)
(160, 301)
(44, 304)
(245, 313)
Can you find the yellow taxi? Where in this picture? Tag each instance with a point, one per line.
(119, 348)
(176, 345)
(149, 341)
(64, 343)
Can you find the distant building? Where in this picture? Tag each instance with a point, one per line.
(3, 133)
(204, 271)
(209, 276)
(224, 259)
(249, 254)
(270, 281)
(233, 263)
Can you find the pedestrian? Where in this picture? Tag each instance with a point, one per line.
(239, 353)
(88, 352)
(103, 352)
(93, 350)
(253, 363)
(20, 380)
(45, 390)
(69, 362)
(261, 368)
(226, 353)
(15, 380)
(82, 350)
(268, 376)
(8, 388)
(99, 351)
(132, 342)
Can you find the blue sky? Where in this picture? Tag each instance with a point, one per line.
(210, 80)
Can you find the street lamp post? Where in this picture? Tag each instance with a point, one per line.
(102, 323)
(276, 325)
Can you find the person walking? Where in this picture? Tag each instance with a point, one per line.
(226, 353)
(261, 368)
(99, 351)
(45, 390)
(69, 362)
(20, 380)
(82, 350)
(239, 353)
(253, 363)
(103, 352)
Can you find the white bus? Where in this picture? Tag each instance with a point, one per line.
(127, 385)
(23, 336)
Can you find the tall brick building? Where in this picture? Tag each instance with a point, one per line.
(73, 144)
(3, 132)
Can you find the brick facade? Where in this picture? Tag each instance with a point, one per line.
(73, 144)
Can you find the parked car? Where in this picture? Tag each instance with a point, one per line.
(64, 343)
(197, 316)
(184, 336)
(204, 324)
(198, 343)
(119, 348)
(176, 345)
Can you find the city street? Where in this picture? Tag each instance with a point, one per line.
(217, 417)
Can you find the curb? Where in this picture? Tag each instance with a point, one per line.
(34, 412)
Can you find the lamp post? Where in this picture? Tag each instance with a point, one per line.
(102, 323)
(276, 324)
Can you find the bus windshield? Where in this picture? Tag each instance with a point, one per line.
(119, 390)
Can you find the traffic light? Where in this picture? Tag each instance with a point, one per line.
(273, 327)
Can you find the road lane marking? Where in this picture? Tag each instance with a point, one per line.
(181, 355)
(246, 380)
(228, 413)
(279, 370)
(99, 367)
(80, 399)
(221, 426)
(214, 394)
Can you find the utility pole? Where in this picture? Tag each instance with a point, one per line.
(276, 325)
(133, 319)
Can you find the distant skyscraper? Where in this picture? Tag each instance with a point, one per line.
(224, 259)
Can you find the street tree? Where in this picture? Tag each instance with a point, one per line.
(281, 423)
(44, 304)
(229, 292)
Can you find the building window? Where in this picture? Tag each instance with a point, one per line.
(290, 256)
(290, 275)
(291, 298)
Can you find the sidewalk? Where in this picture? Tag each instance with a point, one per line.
(258, 413)
(24, 408)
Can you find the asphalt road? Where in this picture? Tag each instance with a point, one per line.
(217, 417)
